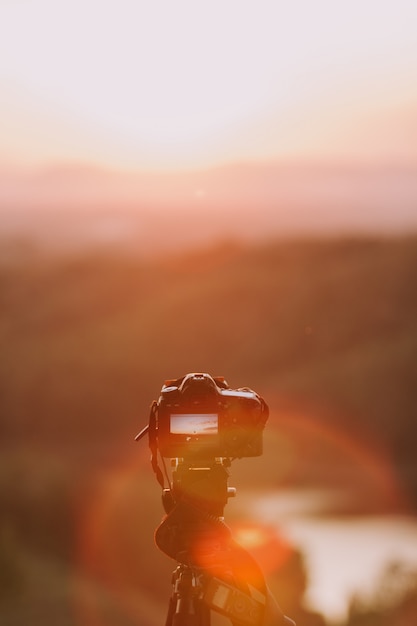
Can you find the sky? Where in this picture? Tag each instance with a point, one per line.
(173, 84)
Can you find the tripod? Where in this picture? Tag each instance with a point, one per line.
(213, 572)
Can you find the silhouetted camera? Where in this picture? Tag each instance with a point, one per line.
(198, 416)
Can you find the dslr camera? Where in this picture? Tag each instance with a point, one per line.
(199, 416)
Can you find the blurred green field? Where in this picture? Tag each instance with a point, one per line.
(325, 330)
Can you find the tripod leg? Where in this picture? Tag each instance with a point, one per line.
(185, 607)
(190, 611)
(199, 617)
(171, 610)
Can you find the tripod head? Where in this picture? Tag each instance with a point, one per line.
(194, 506)
(214, 572)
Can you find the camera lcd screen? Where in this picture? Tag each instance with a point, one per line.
(194, 423)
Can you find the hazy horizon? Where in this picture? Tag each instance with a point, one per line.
(72, 207)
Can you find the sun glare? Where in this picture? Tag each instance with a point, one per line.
(166, 83)
(160, 80)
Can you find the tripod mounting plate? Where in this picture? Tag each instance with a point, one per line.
(233, 603)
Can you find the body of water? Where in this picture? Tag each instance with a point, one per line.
(344, 555)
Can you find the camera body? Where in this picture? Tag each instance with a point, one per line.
(200, 417)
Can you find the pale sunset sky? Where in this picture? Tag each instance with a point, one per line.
(185, 83)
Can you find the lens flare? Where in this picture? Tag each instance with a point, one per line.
(121, 571)
(302, 447)
(264, 543)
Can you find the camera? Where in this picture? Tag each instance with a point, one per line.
(198, 417)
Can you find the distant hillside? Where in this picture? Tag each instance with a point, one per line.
(75, 207)
(327, 326)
